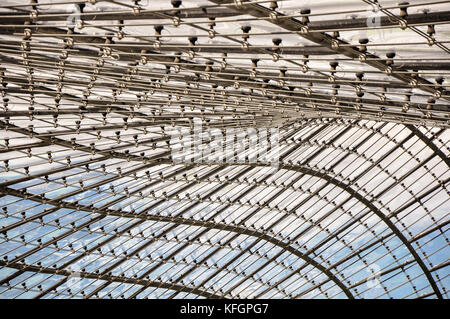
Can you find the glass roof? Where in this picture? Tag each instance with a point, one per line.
(224, 149)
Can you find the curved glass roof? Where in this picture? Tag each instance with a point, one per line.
(224, 149)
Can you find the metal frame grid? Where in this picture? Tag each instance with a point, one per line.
(94, 204)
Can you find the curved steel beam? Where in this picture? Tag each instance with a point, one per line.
(380, 215)
(141, 282)
(346, 188)
(209, 225)
(337, 136)
(356, 195)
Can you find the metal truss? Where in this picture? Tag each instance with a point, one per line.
(99, 97)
